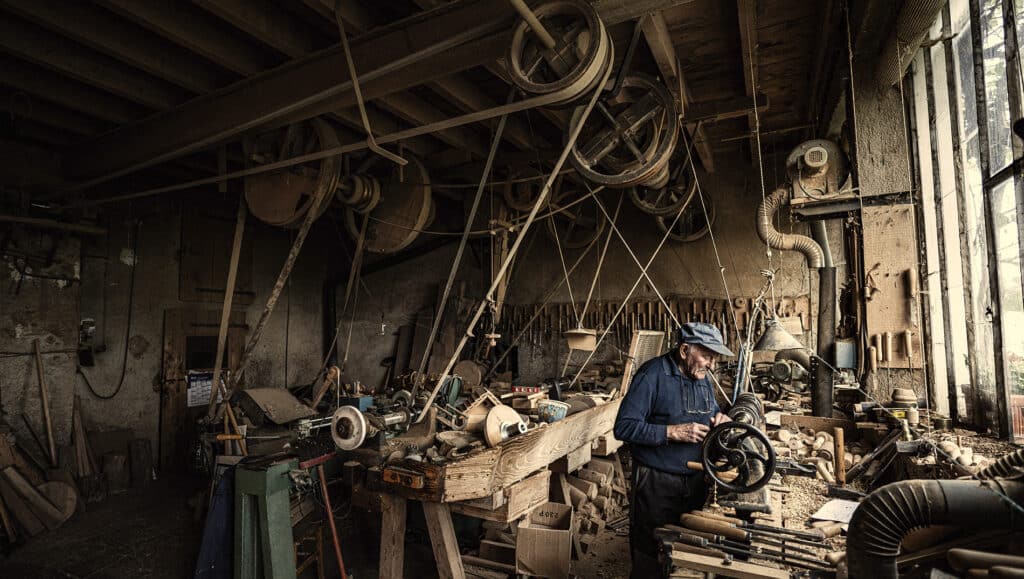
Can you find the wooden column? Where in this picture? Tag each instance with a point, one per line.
(392, 537)
(442, 539)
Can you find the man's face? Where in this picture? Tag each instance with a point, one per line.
(697, 360)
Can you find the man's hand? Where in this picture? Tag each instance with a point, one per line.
(720, 419)
(689, 432)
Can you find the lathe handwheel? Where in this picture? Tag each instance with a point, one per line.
(735, 446)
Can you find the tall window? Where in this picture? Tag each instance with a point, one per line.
(967, 91)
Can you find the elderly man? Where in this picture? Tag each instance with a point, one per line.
(667, 412)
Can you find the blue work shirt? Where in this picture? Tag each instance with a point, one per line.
(660, 395)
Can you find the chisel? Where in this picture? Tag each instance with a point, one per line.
(736, 533)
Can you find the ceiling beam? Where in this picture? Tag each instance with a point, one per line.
(197, 31)
(41, 110)
(104, 32)
(664, 52)
(36, 45)
(615, 11)
(72, 94)
(720, 110)
(411, 52)
(266, 22)
(286, 34)
(408, 53)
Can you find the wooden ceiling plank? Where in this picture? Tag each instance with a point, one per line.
(417, 112)
(664, 52)
(101, 31)
(36, 45)
(69, 93)
(195, 30)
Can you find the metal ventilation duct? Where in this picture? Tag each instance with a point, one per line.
(912, 24)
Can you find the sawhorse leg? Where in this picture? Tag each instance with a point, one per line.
(392, 537)
(442, 539)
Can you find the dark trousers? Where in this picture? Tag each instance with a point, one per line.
(658, 498)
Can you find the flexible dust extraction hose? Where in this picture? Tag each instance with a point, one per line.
(821, 392)
(1009, 466)
(890, 513)
(778, 240)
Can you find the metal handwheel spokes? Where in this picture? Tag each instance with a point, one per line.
(735, 447)
(631, 137)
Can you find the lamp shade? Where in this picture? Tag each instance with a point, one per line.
(776, 338)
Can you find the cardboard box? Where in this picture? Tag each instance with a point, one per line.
(544, 541)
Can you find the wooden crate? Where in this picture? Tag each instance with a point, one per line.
(517, 500)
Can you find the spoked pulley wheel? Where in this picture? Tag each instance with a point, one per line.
(735, 447)
(664, 201)
(630, 137)
(582, 52)
(282, 198)
(578, 225)
(692, 224)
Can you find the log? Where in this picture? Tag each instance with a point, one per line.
(20, 511)
(589, 488)
(40, 506)
(592, 476)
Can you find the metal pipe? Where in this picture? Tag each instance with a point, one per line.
(531, 20)
(329, 515)
(887, 515)
(821, 392)
(820, 234)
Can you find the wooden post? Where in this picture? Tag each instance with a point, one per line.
(442, 539)
(392, 536)
(838, 439)
(45, 399)
(229, 296)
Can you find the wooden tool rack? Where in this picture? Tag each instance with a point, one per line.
(479, 475)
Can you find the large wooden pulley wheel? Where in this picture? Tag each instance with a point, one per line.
(578, 225)
(581, 54)
(403, 210)
(282, 198)
(630, 136)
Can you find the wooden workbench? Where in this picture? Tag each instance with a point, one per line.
(477, 475)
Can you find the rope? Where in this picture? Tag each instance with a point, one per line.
(604, 250)
(757, 137)
(462, 243)
(489, 296)
(643, 274)
(561, 258)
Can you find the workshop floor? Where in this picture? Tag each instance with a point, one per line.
(146, 533)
